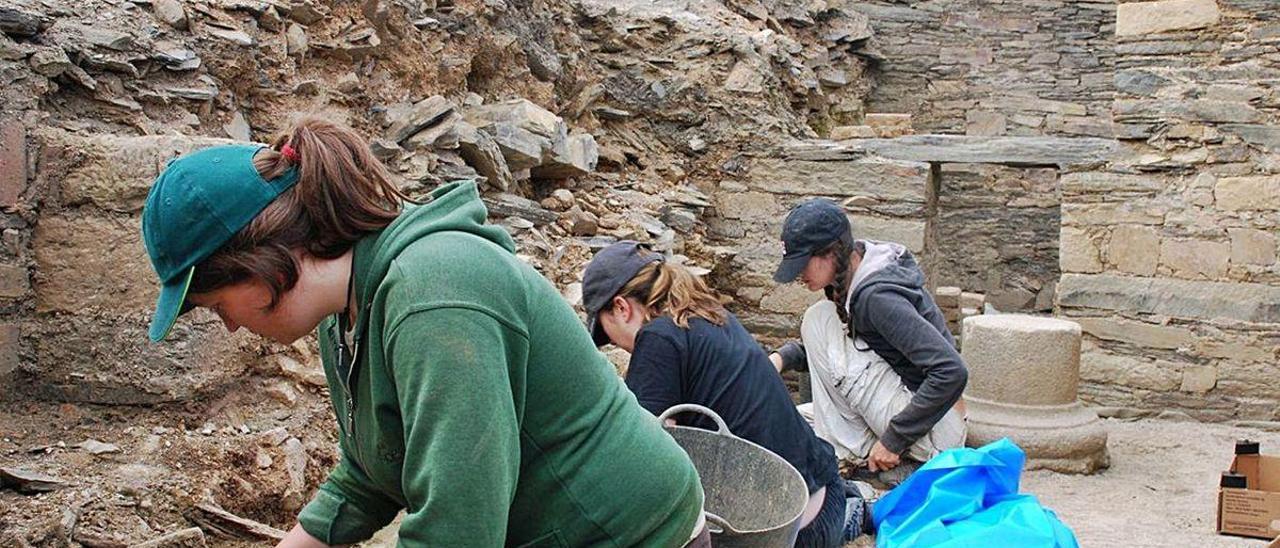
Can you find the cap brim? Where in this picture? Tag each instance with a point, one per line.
(790, 268)
(170, 305)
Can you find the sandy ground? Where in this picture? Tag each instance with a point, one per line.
(1161, 489)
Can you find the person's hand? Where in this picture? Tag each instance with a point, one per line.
(776, 358)
(881, 458)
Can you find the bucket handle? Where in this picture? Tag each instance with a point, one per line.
(722, 428)
(725, 529)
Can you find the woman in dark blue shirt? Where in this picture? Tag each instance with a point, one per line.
(686, 348)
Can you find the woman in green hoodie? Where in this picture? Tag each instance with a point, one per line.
(467, 392)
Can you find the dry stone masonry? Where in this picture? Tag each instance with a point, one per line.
(1169, 254)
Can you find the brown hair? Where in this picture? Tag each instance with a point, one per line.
(838, 291)
(343, 193)
(673, 291)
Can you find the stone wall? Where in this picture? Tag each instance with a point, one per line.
(996, 232)
(1169, 256)
(80, 327)
(995, 67)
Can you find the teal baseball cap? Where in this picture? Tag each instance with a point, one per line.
(195, 206)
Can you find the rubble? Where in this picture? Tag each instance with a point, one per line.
(28, 482)
(219, 522)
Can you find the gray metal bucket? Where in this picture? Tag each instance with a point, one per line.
(754, 497)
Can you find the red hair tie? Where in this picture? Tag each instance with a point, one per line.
(289, 152)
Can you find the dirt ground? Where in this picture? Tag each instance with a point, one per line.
(1160, 490)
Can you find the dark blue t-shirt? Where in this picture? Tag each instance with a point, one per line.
(724, 369)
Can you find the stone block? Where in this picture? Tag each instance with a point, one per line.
(10, 348)
(1184, 299)
(1138, 333)
(907, 232)
(1096, 182)
(1248, 193)
(576, 156)
(408, 121)
(13, 161)
(881, 179)
(522, 113)
(14, 281)
(482, 153)
(947, 297)
(109, 172)
(984, 123)
(1128, 371)
(1134, 249)
(747, 205)
(1199, 378)
(1136, 18)
(1237, 350)
(1026, 151)
(789, 299)
(521, 148)
(1251, 246)
(1195, 258)
(840, 133)
(972, 300)
(1078, 252)
(92, 262)
(1107, 214)
(889, 125)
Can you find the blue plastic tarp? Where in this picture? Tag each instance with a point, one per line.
(968, 497)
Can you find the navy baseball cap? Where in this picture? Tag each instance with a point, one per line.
(196, 205)
(810, 227)
(605, 276)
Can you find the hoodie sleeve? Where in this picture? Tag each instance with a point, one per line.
(461, 433)
(345, 509)
(794, 356)
(896, 319)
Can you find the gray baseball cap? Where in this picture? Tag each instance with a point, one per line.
(604, 277)
(809, 228)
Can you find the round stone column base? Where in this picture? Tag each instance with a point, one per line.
(1063, 438)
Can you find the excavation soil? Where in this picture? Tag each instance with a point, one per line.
(1160, 490)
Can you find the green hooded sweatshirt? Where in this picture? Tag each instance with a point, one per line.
(479, 405)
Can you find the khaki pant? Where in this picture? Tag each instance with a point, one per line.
(856, 393)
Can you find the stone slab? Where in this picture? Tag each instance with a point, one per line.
(880, 179)
(1017, 151)
(1187, 299)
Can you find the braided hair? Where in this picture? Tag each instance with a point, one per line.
(838, 290)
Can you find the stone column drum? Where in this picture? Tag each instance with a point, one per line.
(1023, 375)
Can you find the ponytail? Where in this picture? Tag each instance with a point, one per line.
(343, 193)
(673, 291)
